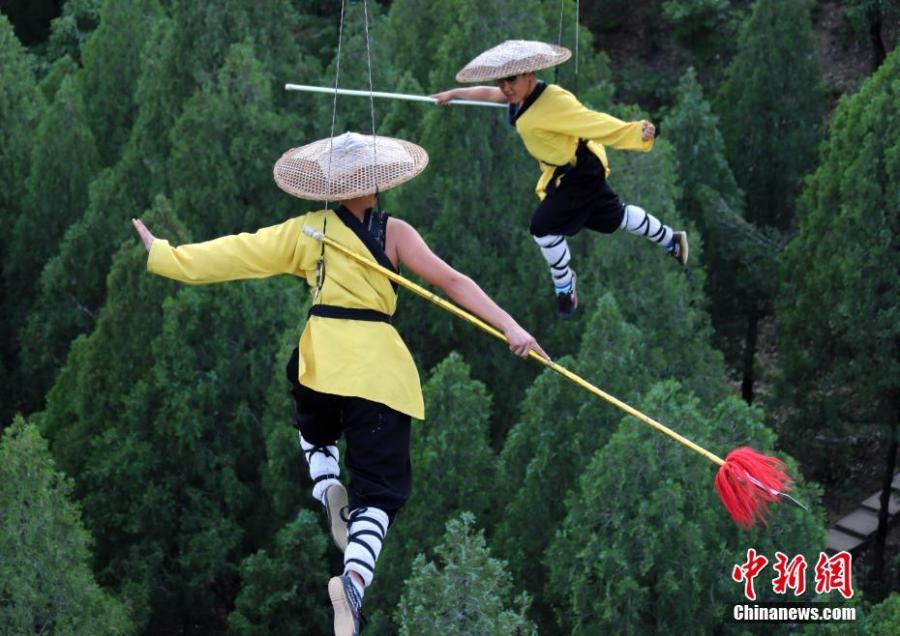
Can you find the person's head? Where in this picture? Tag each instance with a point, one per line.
(512, 64)
(516, 88)
(348, 167)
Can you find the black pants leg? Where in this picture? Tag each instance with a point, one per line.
(378, 437)
(583, 199)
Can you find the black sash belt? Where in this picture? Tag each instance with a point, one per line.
(348, 313)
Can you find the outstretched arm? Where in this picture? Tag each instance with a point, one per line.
(478, 93)
(414, 253)
(278, 249)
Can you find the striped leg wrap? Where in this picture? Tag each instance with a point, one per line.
(323, 466)
(556, 252)
(637, 221)
(367, 529)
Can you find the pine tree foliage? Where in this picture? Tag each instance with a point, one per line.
(837, 313)
(169, 406)
(465, 592)
(21, 105)
(644, 528)
(771, 112)
(63, 162)
(740, 259)
(46, 584)
(111, 58)
(453, 470)
(282, 588)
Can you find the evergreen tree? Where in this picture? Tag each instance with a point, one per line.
(69, 31)
(72, 287)
(739, 258)
(453, 470)
(469, 592)
(223, 146)
(21, 104)
(771, 116)
(643, 546)
(187, 499)
(63, 162)
(282, 588)
(112, 65)
(560, 429)
(837, 313)
(771, 112)
(46, 584)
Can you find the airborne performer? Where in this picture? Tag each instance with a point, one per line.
(568, 141)
(351, 374)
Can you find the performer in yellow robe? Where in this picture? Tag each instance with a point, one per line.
(568, 141)
(351, 374)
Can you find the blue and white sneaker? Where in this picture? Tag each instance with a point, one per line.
(567, 301)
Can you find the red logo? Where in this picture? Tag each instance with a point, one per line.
(832, 573)
(749, 571)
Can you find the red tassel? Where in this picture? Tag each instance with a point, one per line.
(744, 500)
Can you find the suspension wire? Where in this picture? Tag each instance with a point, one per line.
(371, 103)
(559, 36)
(320, 266)
(337, 75)
(577, 18)
(559, 39)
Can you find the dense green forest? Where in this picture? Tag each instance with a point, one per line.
(150, 476)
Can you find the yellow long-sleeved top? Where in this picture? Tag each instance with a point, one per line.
(338, 356)
(552, 125)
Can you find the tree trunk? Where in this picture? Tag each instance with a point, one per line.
(881, 533)
(878, 52)
(749, 356)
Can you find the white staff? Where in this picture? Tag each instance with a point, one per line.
(412, 98)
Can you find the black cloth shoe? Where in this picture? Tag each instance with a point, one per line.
(567, 302)
(679, 247)
(347, 605)
(335, 500)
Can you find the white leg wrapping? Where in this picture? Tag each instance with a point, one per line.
(366, 531)
(324, 466)
(638, 221)
(556, 252)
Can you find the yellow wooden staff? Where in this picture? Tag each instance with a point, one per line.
(747, 481)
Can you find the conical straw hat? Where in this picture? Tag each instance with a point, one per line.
(348, 166)
(511, 58)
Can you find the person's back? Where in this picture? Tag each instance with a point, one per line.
(351, 373)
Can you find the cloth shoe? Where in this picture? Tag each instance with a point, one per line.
(347, 605)
(335, 501)
(678, 248)
(567, 302)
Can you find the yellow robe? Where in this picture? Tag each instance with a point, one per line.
(338, 356)
(553, 124)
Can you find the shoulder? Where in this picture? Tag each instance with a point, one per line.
(555, 92)
(399, 227)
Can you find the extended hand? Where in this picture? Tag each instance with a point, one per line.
(648, 131)
(521, 342)
(146, 236)
(443, 98)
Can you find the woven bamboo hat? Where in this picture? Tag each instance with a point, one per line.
(511, 58)
(348, 166)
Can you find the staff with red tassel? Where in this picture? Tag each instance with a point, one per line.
(747, 481)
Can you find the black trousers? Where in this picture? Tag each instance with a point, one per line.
(377, 451)
(583, 199)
